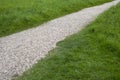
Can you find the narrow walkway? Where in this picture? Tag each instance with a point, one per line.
(18, 52)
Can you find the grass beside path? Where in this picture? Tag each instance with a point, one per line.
(92, 54)
(18, 15)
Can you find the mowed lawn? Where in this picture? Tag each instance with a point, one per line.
(91, 54)
(18, 15)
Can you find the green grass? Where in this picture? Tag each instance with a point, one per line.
(18, 15)
(92, 54)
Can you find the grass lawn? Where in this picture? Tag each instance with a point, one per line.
(18, 15)
(92, 54)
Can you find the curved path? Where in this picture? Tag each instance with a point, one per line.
(18, 52)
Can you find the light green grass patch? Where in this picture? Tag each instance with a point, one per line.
(18, 15)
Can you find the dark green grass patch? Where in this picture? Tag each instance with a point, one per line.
(18, 15)
(92, 54)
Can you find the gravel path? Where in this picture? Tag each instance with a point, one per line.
(18, 52)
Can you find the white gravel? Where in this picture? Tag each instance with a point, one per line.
(18, 52)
